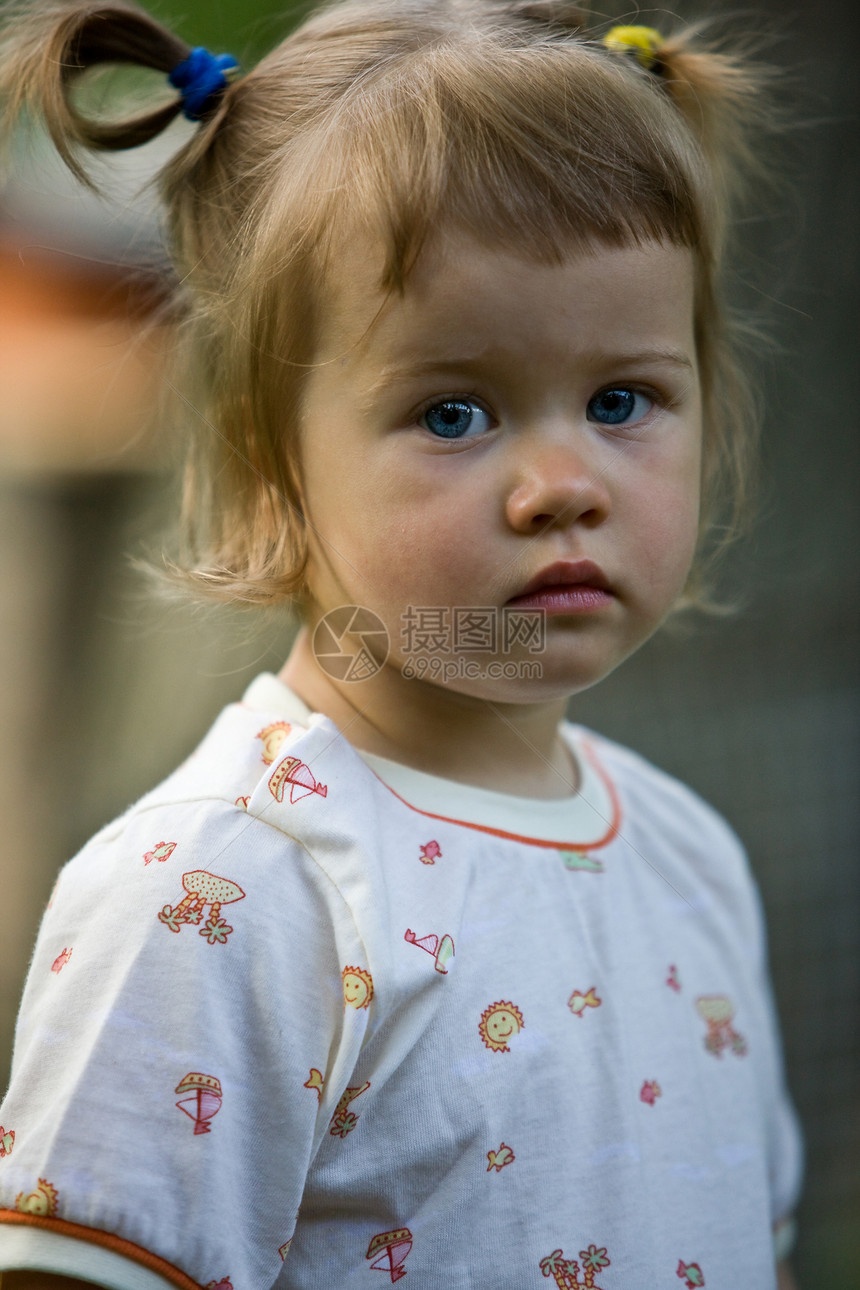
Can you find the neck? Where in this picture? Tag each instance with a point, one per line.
(510, 748)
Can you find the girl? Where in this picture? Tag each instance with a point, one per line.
(402, 974)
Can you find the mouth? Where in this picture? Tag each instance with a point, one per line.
(568, 586)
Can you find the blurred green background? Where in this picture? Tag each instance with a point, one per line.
(103, 690)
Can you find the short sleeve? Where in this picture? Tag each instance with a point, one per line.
(182, 1044)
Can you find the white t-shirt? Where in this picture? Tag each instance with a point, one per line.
(308, 1018)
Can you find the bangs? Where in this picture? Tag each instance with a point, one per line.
(537, 149)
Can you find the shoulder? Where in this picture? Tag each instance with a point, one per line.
(652, 797)
(681, 835)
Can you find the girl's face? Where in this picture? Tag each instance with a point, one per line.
(501, 418)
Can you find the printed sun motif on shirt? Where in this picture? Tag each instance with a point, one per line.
(344, 1121)
(499, 1023)
(61, 960)
(578, 1002)
(203, 889)
(690, 1273)
(441, 949)
(273, 736)
(41, 1202)
(297, 776)
(649, 1092)
(161, 851)
(203, 1100)
(357, 987)
(389, 1251)
(430, 853)
(574, 860)
(717, 1011)
(7, 1141)
(565, 1272)
(498, 1159)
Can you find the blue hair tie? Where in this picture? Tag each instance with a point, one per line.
(201, 78)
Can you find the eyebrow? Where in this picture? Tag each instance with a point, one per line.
(661, 356)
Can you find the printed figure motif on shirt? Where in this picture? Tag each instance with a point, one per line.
(389, 1251)
(565, 1272)
(672, 979)
(273, 736)
(201, 1100)
(691, 1274)
(202, 889)
(500, 1022)
(344, 1121)
(441, 948)
(580, 860)
(7, 1141)
(578, 1002)
(498, 1159)
(293, 775)
(316, 1082)
(61, 960)
(357, 987)
(718, 1013)
(42, 1202)
(430, 852)
(649, 1092)
(161, 851)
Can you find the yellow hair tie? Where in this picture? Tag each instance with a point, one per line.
(643, 42)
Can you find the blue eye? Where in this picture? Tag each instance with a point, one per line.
(617, 407)
(453, 418)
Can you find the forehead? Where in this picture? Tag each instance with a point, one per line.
(465, 292)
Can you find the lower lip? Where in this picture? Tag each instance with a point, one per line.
(577, 599)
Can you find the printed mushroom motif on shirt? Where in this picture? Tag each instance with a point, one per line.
(203, 889)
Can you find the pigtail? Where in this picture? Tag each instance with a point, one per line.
(46, 48)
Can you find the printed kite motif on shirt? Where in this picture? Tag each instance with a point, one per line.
(203, 1101)
(357, 987)
(273, 736)
(649, 1092)
(7, 1141)
(242, 802)
(430, 853)
(389, 1251)
(691, 1273)
(315, 1081)
(41, 1202)
(574, 860)
(161, 851)
(565, 1272)
(61, 960)
(299, 777)
(578, 1002)
(442, 950)
(672, 978)
(717, 1011)
(344, 1121)
(203, 889)
(498, 1159)
(284, 1249)
(499, 1023)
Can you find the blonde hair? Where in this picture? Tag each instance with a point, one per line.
(394, 117)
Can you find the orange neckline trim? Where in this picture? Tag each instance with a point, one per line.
(108, 1241)
(607, 837)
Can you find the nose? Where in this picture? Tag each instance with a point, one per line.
(557, 483)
